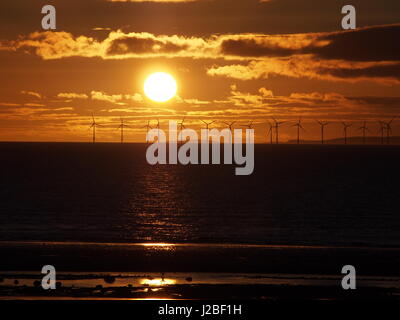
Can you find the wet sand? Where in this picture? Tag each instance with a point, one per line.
(197, 271)
(214, 258)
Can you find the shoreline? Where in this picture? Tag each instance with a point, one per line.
(217, 258)
(193, 244)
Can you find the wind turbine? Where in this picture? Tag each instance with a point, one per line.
(181, 124)
(388, 127)
(323, 124)
(122, 126)
(208, 124)
(270, 132)
(158, 128)
(345, 127)
(230, 124)
(249, 126)
(381, 130)
(364, 129)
(94, 125)
(299, 126)
(148, 127)
(181, 127)
(277, 124)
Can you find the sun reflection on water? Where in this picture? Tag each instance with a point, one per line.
(157, 282)
(157, 244)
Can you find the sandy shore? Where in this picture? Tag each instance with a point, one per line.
(214, 258)
(196, 271)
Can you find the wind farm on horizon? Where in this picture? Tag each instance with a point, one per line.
(268, 131)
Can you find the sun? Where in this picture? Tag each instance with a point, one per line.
(160, 87)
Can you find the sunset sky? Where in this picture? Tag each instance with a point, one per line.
(232, 59)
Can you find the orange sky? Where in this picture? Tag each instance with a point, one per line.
(233, 60)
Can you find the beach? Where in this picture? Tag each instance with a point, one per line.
(193, 271)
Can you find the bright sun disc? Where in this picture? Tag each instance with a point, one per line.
(160, 87)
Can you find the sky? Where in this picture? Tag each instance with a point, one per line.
(233, 60)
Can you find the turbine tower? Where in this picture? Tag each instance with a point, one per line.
(345, 127)
(93, 126)
(181, 127)
(299, 126)
(270, 132)
(323, 124)
(230, 125)
(388, 127)
(364, 129)
(122, 126)
(381, 130)
(158, 128)
(277, 125)
(148, 127)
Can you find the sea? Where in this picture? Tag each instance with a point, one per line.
(298, 195)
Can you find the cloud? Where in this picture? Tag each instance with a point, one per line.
(307, 67)
(379, 43)
(354, 45)
(101, 29)
(345, 56)
(118, 45)
(34, 104)
(32, 93)
(102, 96)
(116, 98)
(71, 95)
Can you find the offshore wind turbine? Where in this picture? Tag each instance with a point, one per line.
(299, 126)
(148, 127)
(122, 126)
(158, 128)
(270, 132)
(249, 126)
(381, 130)
(93, 126)
(345, 127)
(388, 127)
(277, 125)
(323, 124)
(229, 124)
(364, 129)
(181, 127)
(208, 124)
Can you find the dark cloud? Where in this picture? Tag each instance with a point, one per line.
(379, 71)
(252, 48)
(385, 102)
(379, 43)
(127, 45)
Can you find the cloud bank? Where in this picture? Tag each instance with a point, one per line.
(371, 53)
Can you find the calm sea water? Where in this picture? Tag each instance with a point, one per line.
(297, 195)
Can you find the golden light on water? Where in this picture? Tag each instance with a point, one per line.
(157, 282)
(160, 87)
(157, 244)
